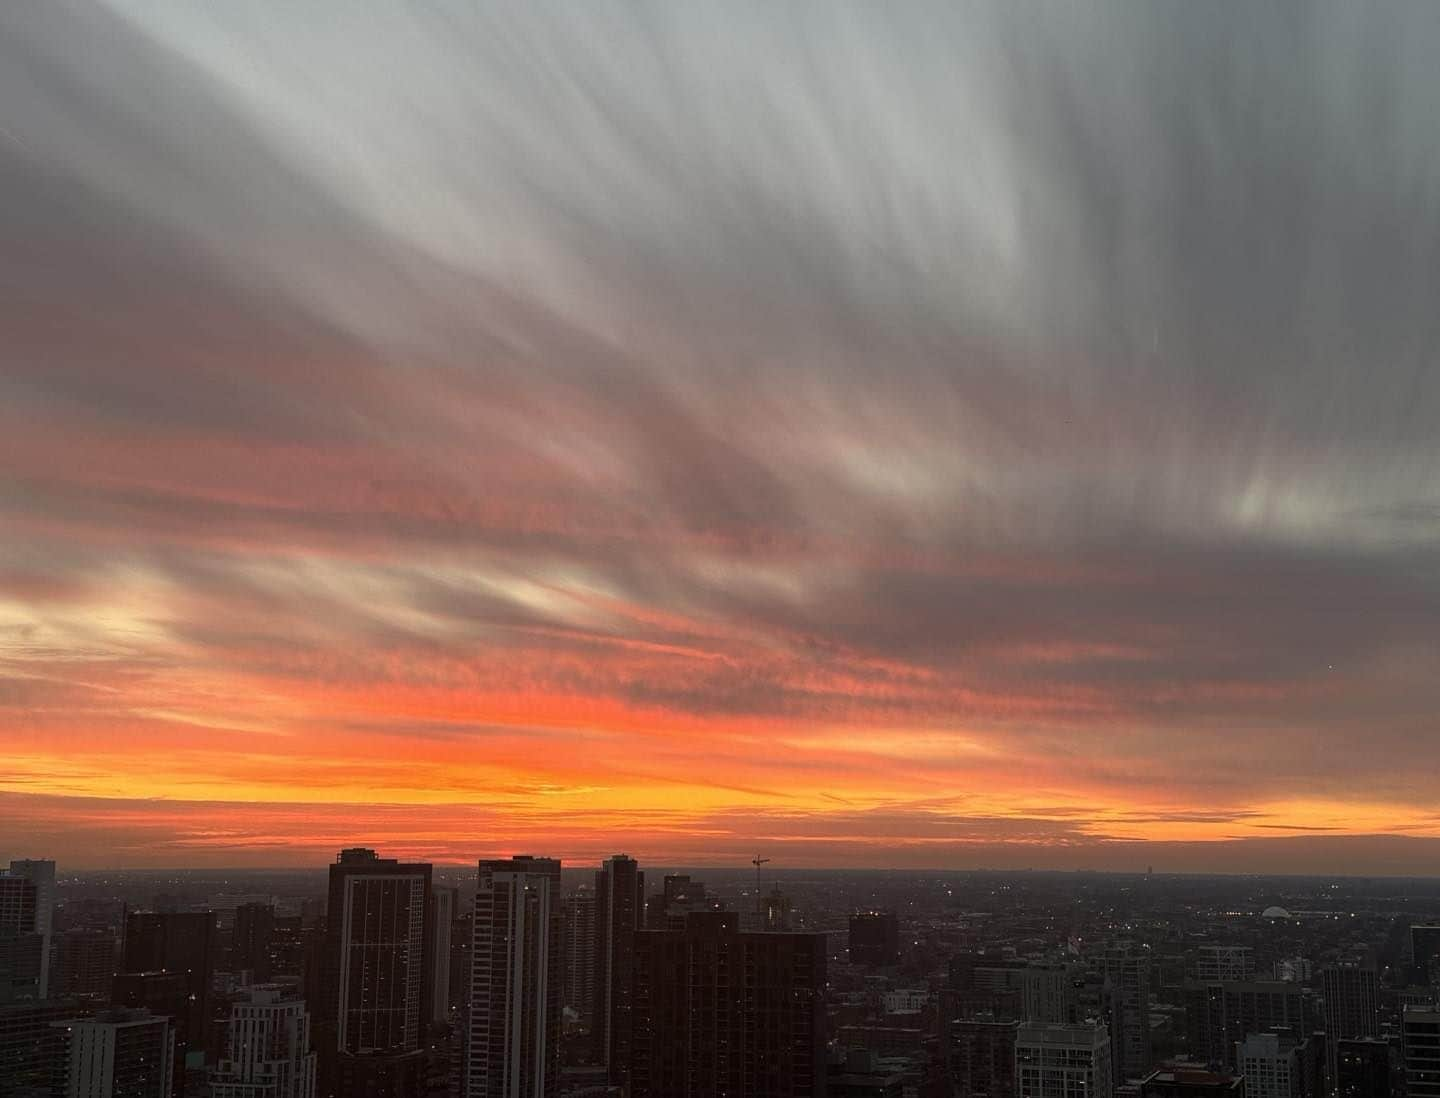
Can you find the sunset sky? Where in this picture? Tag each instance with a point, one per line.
(937, 435)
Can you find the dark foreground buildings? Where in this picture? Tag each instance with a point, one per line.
(724, 1012)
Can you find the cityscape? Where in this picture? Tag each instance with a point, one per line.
(397, 979)
(719, 549)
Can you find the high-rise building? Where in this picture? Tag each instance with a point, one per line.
(1420, 1036)
(32, 1051)
(371, 1019)
(720, 1011)
(252, 939)
(619, 914)
(577, 916)
(1281, 1065)
(1218, 1016)
(83, 965)
(874, 938)
(1424, 951)
(1063, 1061)
(679, 894)
(173, 942)
(1363, 1068)
(1126, 969)
(442, 918)
(1225, 964)
(1020, 990)
(267, 1047)
(41, 873)
(979, 1056)
(24, 960)
(168, 994)
(1352, 1006)
(117, 1052)
(513, 1030)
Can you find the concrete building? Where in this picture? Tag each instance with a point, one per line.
(512, 1045)
(1363, 1068)
(117, 1052)
(267, 1047)
(1181, 1081)
(1281, 1065)
(1063, 1061)
(719, 1011)
(874, 938)
(619, 914)
(1126, 970)
(374, 1007)
(1420, 1042)
(578, 953)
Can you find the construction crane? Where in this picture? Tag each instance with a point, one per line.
(757, 862)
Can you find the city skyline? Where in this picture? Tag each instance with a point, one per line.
(964, 436)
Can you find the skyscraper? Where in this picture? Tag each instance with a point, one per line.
(267, 1048)
(371, 1020)
(41, 873)
(445, 901)
(619, 913)
(578, 953)
(512, 1045)
(874, 938)
(184, 943)
(252, 938)
(83, 965)
(1220, 1015)
(1127, 980)
(1363, 1068)
(117, 1052)
(1352, 1006)
(719, 1011)
(23, 953)
(1063, 1061)
(1420, 1033)
(978, 1056)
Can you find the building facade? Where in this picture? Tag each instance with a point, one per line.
(267, 1048)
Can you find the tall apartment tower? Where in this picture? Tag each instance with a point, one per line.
(1363, 1068)
(720, 1012)
(267, 1048)
(874, 938)
(1420, 1033)
(23, 953)
(619, 914)
(41, 873)
(1352, 1007)
(129, 1052)
(512, 1047)
(1063, 1061)
(577, 989)
(252, 939)
(374, 1008)
(442, 919)
(1127, 979)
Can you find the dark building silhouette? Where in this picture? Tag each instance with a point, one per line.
(1217, 1016)
(1424, 951)
(1363, 1068)
(1011, 989)
(1352, 1006)
(859, 1075)
(164, 994)
(679, 895)
(513, 1036)
(978, 1056)
(1420, 1036)
(874, 938)
(1282, 1064)
(1177, 1081)
(720, 1011)
(252, 940)
(23, 957)
(84, 964)
(373, 1011)
(1127, 973)
(619, 913)
(31, 1048)
(578, 953)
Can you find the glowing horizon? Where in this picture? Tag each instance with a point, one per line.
(938, 438)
